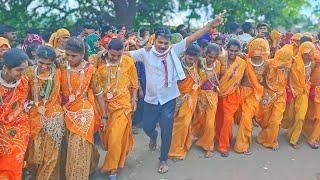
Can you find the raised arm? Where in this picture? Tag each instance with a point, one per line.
(199, 33)
(137, 55)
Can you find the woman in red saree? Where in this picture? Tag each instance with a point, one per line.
(14, 122)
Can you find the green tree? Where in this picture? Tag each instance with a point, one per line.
(47, 13)
(275, 12)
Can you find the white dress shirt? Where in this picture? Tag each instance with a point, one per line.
(156, 91)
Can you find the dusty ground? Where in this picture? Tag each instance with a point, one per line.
(263, 164)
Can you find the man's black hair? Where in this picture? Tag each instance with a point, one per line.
(164, 32)
(232, 27)
(246, 27)
(33, 31)
(261, 24)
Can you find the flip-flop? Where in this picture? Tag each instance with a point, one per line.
(163, 168)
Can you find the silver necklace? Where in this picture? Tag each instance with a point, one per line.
(195, 76)
(14, 91)
(256, 65)
(307, 70)
(46, 93)
(72, 96)
(6, 84)
(110, 93)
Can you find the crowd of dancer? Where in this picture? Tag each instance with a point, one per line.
(63, 96)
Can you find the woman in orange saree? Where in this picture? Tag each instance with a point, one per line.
(14, 122)
(273, 101)
(81, 118)
(311, 129)
(119, 80)
(251, 90)
(46, 116)
(232, 70)
(204, 125)
(185, 105)
(58, 41)
(300, 85)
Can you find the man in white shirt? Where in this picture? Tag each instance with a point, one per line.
(163, 70)
(246, 37)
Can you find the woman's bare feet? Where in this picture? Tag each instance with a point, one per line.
(314, 146)
(295, 146)
(276, 148)
(208, 154)
(248, 152)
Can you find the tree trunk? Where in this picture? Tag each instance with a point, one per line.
(125, 11)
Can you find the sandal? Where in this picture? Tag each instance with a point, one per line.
(163, 168)
(153, 144)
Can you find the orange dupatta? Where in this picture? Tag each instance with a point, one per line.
(298, 81)
(232, 77)
(257, 47)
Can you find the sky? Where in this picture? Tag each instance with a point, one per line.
(307, 10)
